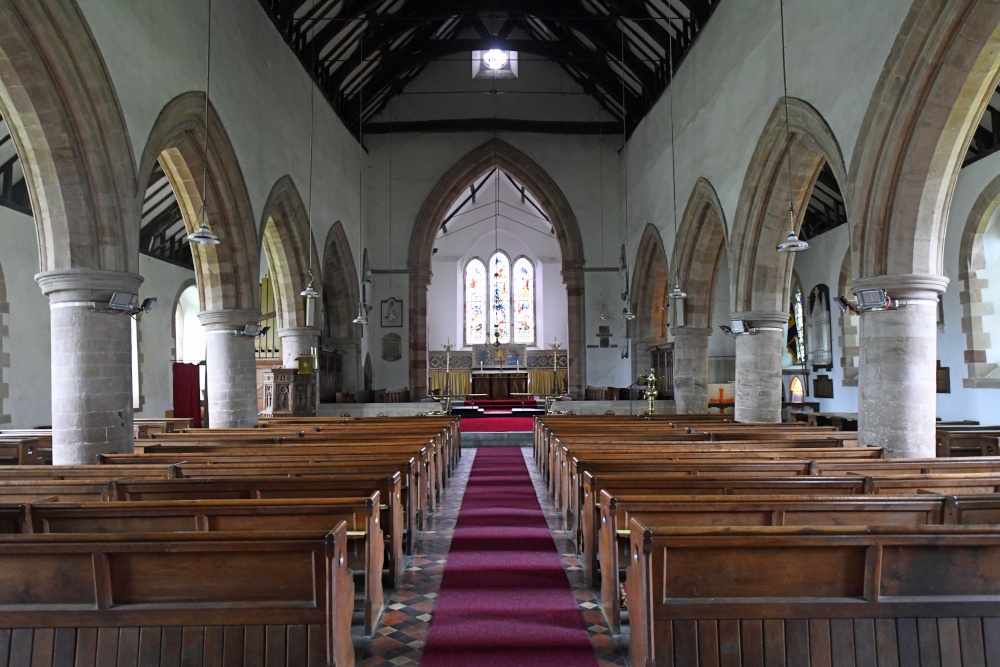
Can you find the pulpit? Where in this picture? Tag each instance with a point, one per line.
(499, 385)
(289, 393)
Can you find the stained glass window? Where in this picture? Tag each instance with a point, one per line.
(499, 297)
(524, 301)
(475, 302)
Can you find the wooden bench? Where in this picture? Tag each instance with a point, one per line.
(98, 600)
(366, 546)
(767, 511)
(888, 596)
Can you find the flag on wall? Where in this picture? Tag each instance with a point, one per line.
(792, 340)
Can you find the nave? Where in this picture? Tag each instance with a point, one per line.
(410, 611)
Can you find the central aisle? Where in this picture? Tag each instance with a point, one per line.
(505, 598)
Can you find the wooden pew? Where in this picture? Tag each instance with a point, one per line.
(893, 595)
(768, 511)
(366, 545)
(90, 600)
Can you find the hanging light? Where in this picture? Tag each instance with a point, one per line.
(362, 317)
(310, 291)
(203, 235)
(627, 313)
(605, 316)
(676, 294)
(792, 242)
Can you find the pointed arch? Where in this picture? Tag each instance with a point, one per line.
(934, 87)
(698, 250)
(340, 297)
(286, 243)
(68, 128)
(761, 274)
(650, 286)
(227, 273)
(974, 280)
(495, 153)
(850, 327)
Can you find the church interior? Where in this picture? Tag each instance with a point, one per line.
(481, 279)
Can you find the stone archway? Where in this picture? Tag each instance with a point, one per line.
(286, 244)
(933, 89)
(496, 153)
(227, 273)
(850, 328)
(650, 286)
(971, 262)
(698, 250)
(761, 275)
(70, 135)
(340, 297)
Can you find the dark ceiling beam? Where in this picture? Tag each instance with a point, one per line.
(498, 124)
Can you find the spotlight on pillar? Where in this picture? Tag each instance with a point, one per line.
(738, 328)
(120, 303)
(870, 299)
(846, 305)
(726, 330)
(251, 330)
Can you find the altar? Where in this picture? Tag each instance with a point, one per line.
(499, 384)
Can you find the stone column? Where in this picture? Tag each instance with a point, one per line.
(758, 367)
(419, 280)
(297, 342)
(691, 369)
(230, 368)
(91, 364)
(576, 324)
(897, 387)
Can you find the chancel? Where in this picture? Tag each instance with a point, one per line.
(435, 279)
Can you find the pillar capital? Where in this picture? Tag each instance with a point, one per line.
(573, 275)
(677, 332)
(304, 332)
(69, 285)
(218, 320)
(761, 318)
(905, 286)
(420, 276)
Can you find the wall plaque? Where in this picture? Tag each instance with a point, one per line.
(392, 348)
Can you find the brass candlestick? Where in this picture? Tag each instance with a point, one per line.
(555, 365)
(447, 347)
(652, 391)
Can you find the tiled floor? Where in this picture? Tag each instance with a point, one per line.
(399, 638)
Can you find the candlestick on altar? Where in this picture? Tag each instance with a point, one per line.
(555, 365)
(447, 366)
(652, 390)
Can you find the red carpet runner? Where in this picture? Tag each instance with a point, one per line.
(496, 424)
(504, 599)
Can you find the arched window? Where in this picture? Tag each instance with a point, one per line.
(524, 301)
(475, 302)
(492, 296)
(500, 297)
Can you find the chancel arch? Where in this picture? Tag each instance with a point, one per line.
(495, 154)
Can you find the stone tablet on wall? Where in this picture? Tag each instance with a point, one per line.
(392, 347)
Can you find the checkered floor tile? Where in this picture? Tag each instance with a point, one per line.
(399, 638)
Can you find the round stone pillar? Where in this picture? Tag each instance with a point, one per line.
(91, 364)
(758, 367)
(231, 369)
(897, 387)
(297, 342)
(691, 369)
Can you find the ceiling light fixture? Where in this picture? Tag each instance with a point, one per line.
(203, 235)
(310, 292)
(792, 242)
(495, 59)
(627, 313)
(604, 316)
(362, 317)
(676, 293)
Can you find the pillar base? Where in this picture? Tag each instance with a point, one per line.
(231, 368)
(758, 367)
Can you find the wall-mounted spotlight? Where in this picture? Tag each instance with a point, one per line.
(846, 305)
(738, 328)
(251, 330)
(124, 303)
